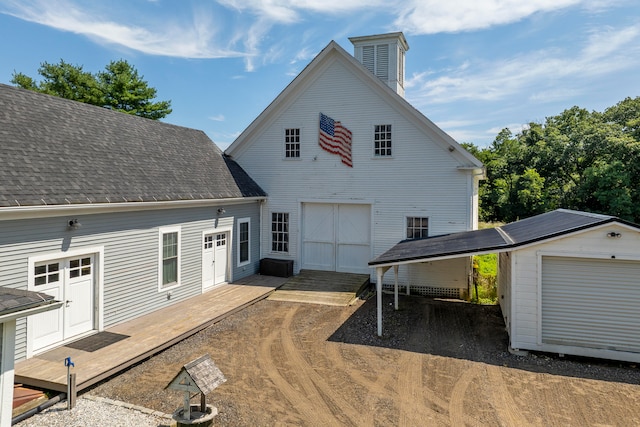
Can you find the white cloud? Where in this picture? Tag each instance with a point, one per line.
(218, 118)
(193, 39)
(436, 16)
(539, 75)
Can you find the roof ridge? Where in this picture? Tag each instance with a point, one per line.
(505, 236)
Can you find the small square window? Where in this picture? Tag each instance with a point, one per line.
(417, 227)
(292, 143)
(382, 141)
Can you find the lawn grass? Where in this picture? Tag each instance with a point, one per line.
(485, 270)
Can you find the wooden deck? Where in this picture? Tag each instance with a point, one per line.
(148, 335)
(322, 287)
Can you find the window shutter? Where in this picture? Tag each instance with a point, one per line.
(368, 57)
(382, 61)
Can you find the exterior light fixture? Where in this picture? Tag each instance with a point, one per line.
(614, 235)
(73, 224)
(221, 211)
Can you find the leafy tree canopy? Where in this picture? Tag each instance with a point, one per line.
(119, 87)
(578, 159)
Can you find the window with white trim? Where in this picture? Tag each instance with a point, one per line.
(292, 143)
(169, 258)
(244, 254)
(280, 232)
(382, 141)
(417, 227)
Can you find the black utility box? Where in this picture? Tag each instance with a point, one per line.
(276, 267)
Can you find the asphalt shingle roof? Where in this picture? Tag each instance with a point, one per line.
(55, 151)
(12, 300)
(519, 233)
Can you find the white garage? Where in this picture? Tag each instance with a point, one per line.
(336, 237)
(568, 281)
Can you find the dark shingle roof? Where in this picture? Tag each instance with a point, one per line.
(519, 233)
(13, 300)
(55, 151)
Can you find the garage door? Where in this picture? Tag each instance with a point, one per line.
(591, 303)
(336, 237)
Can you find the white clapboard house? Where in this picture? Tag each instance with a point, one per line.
(351, 168)
(114, 215)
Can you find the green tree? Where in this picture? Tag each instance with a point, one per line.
(125, 91)
(578, 159)
(119, 87)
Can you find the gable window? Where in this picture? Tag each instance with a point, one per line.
(169, 258)
(279, 232)
(417, 227)
(382, 141)
(292, 143)
(243, 241)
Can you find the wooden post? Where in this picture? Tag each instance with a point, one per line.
(71, 395)
(395, 286)
(379, 273)
(203, 403)
(187, 406)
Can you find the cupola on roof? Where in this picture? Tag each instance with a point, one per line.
(383, 55)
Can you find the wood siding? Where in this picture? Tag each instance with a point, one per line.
(130, 241)
(420, 179)
(525, 328)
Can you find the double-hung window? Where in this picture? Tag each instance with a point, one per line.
(417, 227)
(243, 241)
(292, 143)
(280, 232)
(382, 141)
(169, 257)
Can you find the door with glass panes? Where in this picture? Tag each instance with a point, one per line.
(214, 259)
(71, 281)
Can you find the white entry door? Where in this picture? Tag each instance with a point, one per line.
(71, 281)
(214, 260)
(336, 237)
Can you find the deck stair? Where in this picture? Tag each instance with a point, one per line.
(322, 287)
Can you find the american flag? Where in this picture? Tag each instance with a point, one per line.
(335, 138)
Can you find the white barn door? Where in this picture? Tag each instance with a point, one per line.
(336, 237)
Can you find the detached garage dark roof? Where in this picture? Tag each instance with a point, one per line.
(499, 239)
(58, 152)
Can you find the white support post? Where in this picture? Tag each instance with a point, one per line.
(395, 286)
(7, 355)
(379, 274)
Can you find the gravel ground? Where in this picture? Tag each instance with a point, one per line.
(97, 411)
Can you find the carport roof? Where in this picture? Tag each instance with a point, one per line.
(499, 239)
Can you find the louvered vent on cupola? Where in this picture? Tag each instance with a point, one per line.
(383, 55)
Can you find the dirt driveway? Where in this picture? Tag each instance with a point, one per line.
(439, 364)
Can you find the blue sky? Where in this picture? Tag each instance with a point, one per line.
(474, 67)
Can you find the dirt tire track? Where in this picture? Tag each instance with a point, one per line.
(506, 408)
(314, 384)
(410, 394)
(456, 403)
(307, 408)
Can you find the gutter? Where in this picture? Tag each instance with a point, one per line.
(47, 211)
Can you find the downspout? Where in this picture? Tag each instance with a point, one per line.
(31, 412)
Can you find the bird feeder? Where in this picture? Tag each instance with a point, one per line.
(200, 376)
